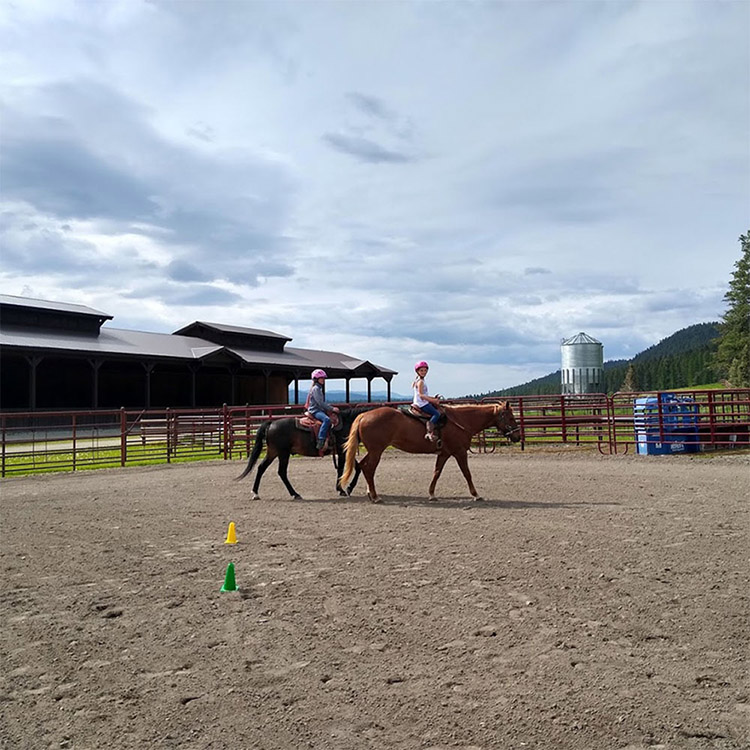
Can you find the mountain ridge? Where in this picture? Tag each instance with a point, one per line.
(355, 397)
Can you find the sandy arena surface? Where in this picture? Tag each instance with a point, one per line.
(591, 603)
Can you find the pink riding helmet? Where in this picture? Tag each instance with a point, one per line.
(421, 363)
(318, 374)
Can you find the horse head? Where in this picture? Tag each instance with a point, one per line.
(505, 422)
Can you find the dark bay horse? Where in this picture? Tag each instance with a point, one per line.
(379, 428)
(283, 438)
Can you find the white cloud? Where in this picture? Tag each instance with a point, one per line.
(464, 182)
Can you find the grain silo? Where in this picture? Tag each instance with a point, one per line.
(582, 364)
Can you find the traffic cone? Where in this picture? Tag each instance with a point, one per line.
(229, 584)
(231, 535)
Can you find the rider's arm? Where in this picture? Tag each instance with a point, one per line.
(428, 399)
(317, 402)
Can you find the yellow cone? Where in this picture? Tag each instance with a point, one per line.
(231, 535)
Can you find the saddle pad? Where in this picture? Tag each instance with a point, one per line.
(421, 416)
(306, 423)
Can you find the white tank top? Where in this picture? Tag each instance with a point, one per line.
(418, 400)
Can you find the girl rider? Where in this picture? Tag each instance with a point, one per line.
(319, 407)
(424, 401)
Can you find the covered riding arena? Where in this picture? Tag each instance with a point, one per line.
(592, 601)
(61, 356)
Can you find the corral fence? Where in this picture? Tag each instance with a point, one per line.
(649, 423)
(646, 423)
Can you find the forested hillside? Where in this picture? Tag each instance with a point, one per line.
(678, 361)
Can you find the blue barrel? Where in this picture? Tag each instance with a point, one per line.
(666, 424)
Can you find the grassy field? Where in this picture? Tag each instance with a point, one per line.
(28, 461)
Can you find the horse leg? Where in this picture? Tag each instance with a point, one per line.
(283, 466)
(368, 465)
(339, 472)
(348, 491)
(439, 464)
(463, 462)
(262, 466)
(353, 483)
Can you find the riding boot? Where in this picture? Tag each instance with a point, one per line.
(320, 444)
(431, 436)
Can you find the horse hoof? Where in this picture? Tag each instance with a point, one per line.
(432, 498)
(255, 496)
(478, 499)
(375, 499)
(296, 497)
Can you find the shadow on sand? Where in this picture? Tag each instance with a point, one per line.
(464, 503)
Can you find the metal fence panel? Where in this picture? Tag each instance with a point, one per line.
(76, 440)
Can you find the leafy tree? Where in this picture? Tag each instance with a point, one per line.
(733, 351)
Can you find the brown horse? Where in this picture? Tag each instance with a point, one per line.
(379, 428)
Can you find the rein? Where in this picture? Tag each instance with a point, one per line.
(450, 418)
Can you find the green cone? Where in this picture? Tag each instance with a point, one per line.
(229, 584)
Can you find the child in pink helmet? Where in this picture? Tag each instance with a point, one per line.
(422, 399)
(318, 406)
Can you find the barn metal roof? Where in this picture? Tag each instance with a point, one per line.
(11, 300)
(119, 342)
(232, 329)
(112, 341)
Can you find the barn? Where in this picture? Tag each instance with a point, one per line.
(56, 355)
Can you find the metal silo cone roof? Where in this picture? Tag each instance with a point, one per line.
(580, 338)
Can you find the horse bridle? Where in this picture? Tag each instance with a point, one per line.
(511, 430)
(507, 431)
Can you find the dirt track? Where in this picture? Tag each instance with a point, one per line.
(590, 603)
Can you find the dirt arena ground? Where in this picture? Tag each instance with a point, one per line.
(591, 602)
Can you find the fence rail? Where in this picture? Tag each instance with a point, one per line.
(649, 422)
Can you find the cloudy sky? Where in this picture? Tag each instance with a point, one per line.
(464, 182)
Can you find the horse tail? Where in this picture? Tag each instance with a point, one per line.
(352, 444)
(257, 448)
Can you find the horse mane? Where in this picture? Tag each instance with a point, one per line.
(500, 404)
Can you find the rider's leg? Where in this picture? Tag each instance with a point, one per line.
(324, 427)
(432, 423)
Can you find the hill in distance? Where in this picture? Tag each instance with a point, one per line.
(678, 361)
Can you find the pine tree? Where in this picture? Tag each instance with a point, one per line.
(630, 383)
(733, 352)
